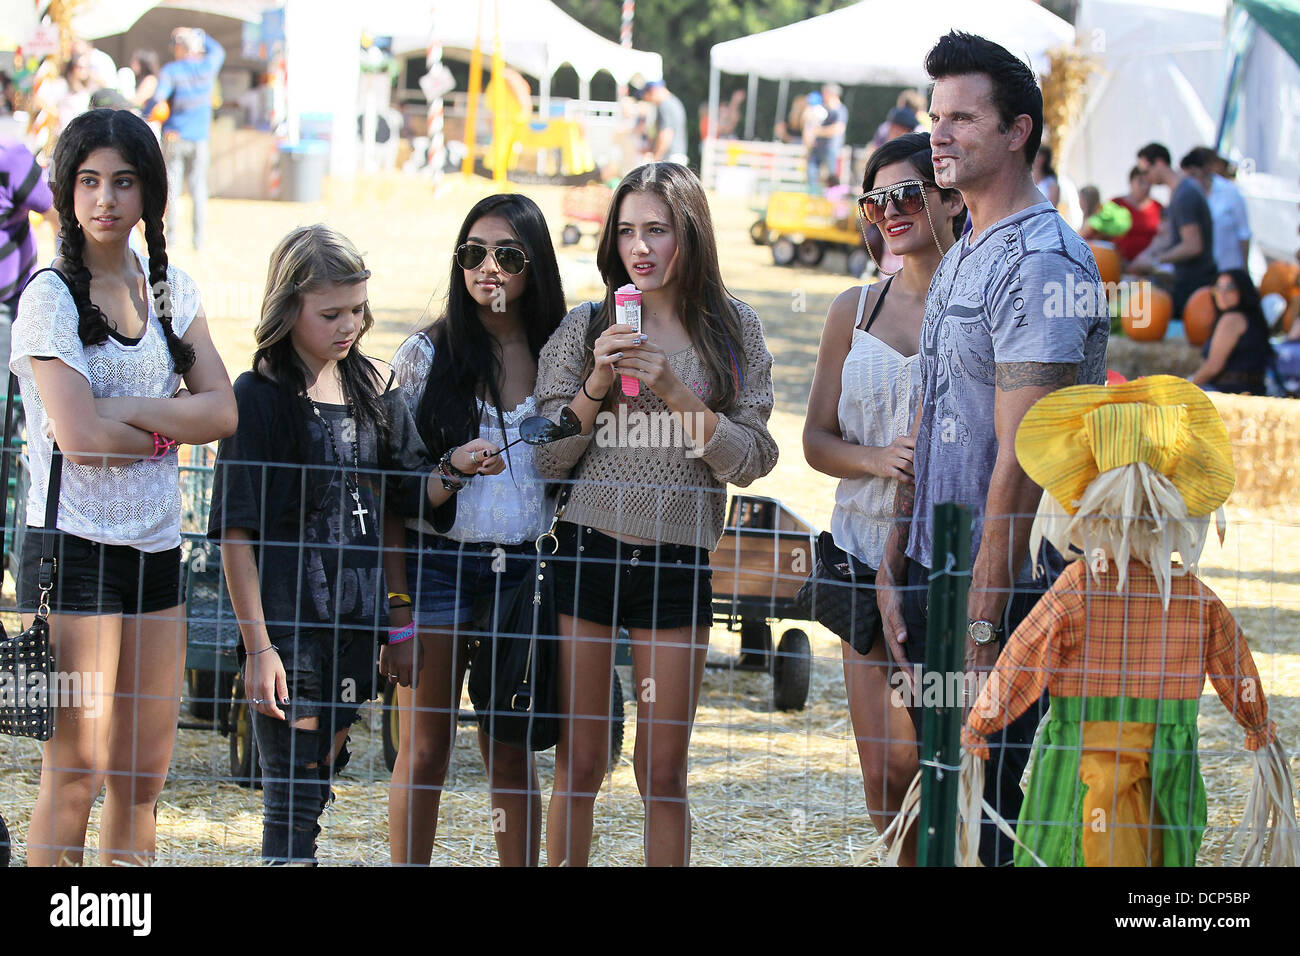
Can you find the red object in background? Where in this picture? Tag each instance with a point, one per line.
(1114, 378)
(1146, 221)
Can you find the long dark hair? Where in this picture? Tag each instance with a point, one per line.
(466, 358)
(307, 260)
(913, 149)
(704, 304)
(131, 136)
(1248, 303)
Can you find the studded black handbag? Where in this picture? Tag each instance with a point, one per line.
(27, 679)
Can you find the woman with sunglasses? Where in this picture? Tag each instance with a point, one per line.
(634, 541)
(1237, 353)
(468, 379)
(864, 397)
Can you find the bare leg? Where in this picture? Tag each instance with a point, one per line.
(885, 736)
(74, 759)
(149, 672)
(516, 801)
(669, 670)
(427, 727)
(582, 754)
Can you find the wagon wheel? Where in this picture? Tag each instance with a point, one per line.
(571, 235)
(392, 730)
(791, 671)
(758, 231)
(810, 252)
(783, 251)
(244, 768)
(616, 722)
(857, 263)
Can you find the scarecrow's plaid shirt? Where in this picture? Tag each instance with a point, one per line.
(1083, 639)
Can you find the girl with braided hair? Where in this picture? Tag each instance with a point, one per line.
(101, 346)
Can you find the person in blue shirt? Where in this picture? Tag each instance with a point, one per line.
(186, 85)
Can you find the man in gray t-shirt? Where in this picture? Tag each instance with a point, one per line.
(1027, 290)
(669, 143)
(1015, 310)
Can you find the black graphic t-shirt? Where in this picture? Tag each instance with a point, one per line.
(318, 549)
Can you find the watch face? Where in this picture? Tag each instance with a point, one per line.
(981, 632)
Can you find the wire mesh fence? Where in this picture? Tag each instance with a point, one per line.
(774, 764)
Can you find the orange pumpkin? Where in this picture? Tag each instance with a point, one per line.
(160, 112)
(1145, 312)
(1282, 278)
(1198, 316)
(1108, 261)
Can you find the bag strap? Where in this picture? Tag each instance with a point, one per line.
(6, 451)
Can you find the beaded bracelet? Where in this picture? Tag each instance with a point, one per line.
(161, 446)
(398, 635)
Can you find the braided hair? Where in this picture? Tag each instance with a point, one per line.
(131, 136)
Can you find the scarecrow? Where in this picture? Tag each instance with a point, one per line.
(1125, 639)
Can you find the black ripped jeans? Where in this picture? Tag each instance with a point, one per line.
(328, 679)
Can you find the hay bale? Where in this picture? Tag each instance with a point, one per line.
(1134, 359)
(1265, 436)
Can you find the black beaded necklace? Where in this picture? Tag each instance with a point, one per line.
(351, 483)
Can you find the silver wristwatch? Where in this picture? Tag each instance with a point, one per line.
(983, 632)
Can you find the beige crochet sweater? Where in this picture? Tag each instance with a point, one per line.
(634, 476)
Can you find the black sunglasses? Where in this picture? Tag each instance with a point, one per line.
(510, 260)
(539, 430)
(908, 198)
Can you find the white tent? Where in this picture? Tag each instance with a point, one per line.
(1160, 79)
(884, 42)
(537, 37)
(878, 42)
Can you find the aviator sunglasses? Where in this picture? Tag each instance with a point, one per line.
(908, 197)
(510, 260)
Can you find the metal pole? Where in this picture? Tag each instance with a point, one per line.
(945, 644)
(751, 101)
(475, 87)
(436, 157)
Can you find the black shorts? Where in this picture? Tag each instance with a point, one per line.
(602, 579)
(94, 578)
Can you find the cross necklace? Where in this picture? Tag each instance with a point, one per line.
(351, 483)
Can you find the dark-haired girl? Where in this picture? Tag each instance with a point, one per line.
(865, 394)
(101, 346)
(324, 450)
(644, 514)
(469, 380)
(1238, 352)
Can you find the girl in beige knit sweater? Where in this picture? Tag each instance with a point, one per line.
(650, 476)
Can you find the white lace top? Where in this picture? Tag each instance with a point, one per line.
(508, 508)
(137, 504)
(879, 391)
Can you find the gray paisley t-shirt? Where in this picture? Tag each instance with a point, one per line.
(1027, 290)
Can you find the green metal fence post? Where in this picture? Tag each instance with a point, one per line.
(942, 685)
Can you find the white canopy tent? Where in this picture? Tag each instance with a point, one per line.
(1160, 80)
(880, 42)
(537, 37)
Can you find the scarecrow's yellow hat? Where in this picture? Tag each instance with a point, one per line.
(1074, 434)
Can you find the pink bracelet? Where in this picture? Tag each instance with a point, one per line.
(162, 445)
(398, 635)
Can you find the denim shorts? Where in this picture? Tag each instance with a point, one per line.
(94, 578)
(602, 579)
(453, 583)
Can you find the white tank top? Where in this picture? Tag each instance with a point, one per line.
(879, 391)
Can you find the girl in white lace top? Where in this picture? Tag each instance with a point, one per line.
(468, 379)
(865, 393)
(101, 345)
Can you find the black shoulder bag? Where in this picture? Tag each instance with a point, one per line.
(514, 679)
(28, 712)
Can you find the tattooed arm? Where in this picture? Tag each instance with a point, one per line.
(1012, 497)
